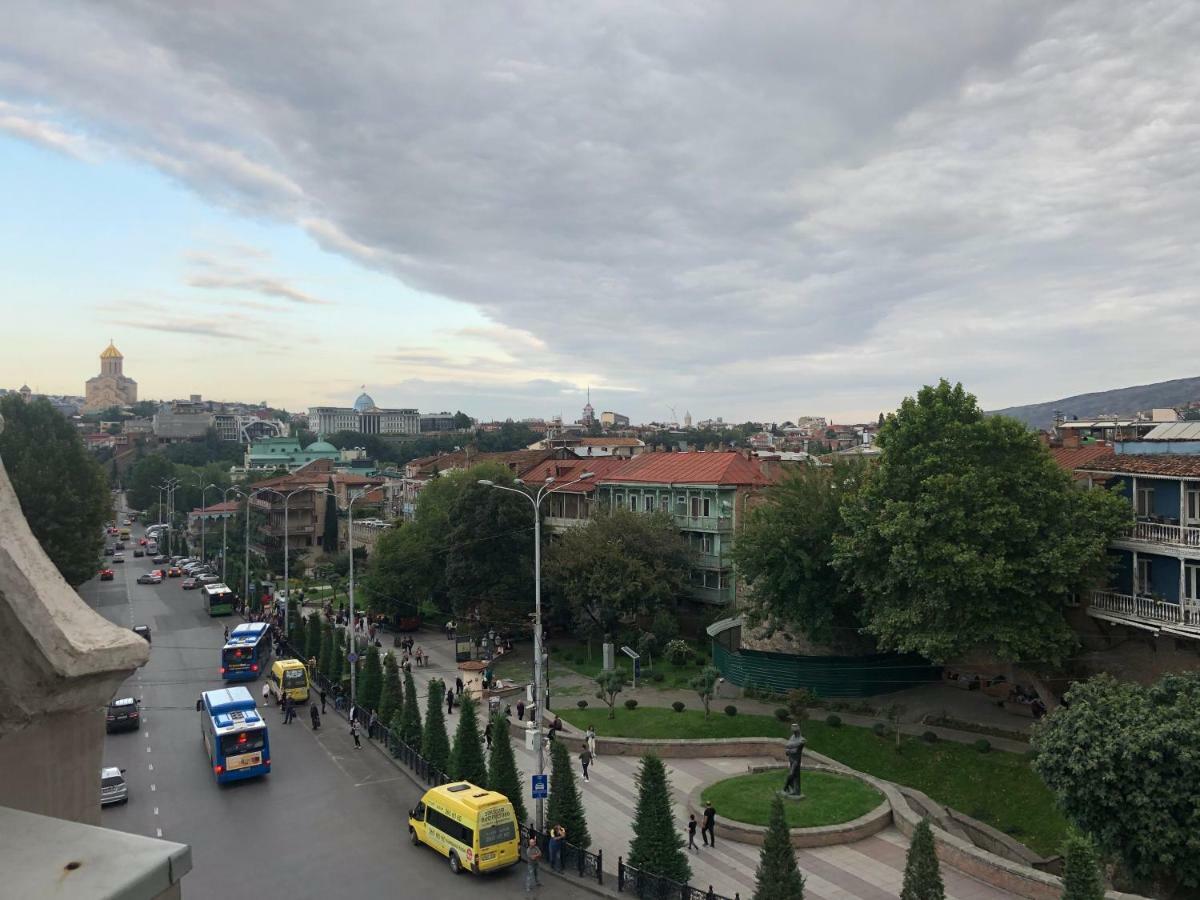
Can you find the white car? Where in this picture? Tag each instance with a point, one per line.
(113, 788)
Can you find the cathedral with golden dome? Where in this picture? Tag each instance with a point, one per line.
(111, 387)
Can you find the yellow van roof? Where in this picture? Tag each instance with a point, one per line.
(467, 794)
(289, 664)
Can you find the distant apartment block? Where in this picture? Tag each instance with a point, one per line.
(611, 419)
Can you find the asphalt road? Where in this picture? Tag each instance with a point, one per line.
(324, 822)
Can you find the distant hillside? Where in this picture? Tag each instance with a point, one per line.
(1123, 401)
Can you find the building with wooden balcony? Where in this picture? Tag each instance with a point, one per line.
(1156, 576)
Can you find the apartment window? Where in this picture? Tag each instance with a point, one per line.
(1144, 576)
(1193, 504)
(1144, 501)
(649, 503)
(1191, 581)
(700, 506)
(681, 505)
(618, 501)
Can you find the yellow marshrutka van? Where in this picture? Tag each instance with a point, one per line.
(474, 828)
(289, 675)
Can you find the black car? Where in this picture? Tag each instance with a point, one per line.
(109, 551)
(143, 631)
(138, 551)
(123, 715)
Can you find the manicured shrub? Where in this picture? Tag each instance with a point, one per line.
(983, 745)
(631, 703)
(930, 737)
(582, 704)
(677, 706)
(731, 710)
(798, 702)
(833, 720)
(782, 714)
(678, 652)
(879, 729)
(658, 676)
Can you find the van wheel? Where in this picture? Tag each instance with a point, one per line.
(412, 836)
(455, 865)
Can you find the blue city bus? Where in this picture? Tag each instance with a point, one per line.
(234, 733)
(247, 653)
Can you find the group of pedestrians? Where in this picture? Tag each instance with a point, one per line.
(708, 833)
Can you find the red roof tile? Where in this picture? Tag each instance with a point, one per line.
(565, 471)
(1177, 465)
(688, 468)
(1079, 457)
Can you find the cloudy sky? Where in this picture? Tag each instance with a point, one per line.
(751, 210)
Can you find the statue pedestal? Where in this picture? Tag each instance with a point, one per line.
(786, 796)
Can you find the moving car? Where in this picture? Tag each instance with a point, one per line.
(138, 551)
(128, 522)
(142, 631)
(123, 715)
(208, 578)
(107, 574)
(159, 573)
(174, 572)
(159, 560)
(119, 545)
(190, 584)
(113, 788)
(142, 541)
(109, 551)
(474, 828)
(118, 557)
(149, 578)
(288, 675)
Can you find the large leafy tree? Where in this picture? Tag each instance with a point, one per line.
(617, 566)
(565, 807)
(1121, 760)
(503, 774)
(63, 491)
(657, 845)
(969, 536)
(141, 484)
(785, 552)
(466, 758)
(778, 877)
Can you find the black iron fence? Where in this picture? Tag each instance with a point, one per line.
(655, 887)
(567, 857)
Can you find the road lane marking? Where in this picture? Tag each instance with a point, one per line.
(159, 832)
(153, 787)
(147, 749)
(156, 810)
(382, 780)
(151, 767)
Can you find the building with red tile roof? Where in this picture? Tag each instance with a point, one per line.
(1075, 458)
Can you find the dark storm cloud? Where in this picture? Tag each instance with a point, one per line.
(755, 207)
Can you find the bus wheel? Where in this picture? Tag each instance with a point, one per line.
(412, 836)
(455, 865)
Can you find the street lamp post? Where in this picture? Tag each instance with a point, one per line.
(538, 662)
(203, 493)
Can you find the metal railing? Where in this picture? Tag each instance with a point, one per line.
(571, 858)
(1160, 533)
(656, 887)
(1148, 609)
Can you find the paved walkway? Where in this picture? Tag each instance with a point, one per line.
(872, 869)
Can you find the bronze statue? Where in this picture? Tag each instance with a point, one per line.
(794, 748)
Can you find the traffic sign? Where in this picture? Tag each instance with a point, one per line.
(541, 786)
(353, 657)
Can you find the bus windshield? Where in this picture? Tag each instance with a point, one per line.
(242, 742)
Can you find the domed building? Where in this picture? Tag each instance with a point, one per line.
(364, 402)
(112, 387)
(364, 417)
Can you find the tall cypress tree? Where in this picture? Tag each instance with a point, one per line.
(503, 775)
(329, 538)
(411, 730)
(778, 877)
(922, 875)
(391, 695)
(1081, 877)
(657, 845)
(371, 682)
(435, 746)
(337, 665)
(312, 636)
(296, 633)
(566, 806)
(466, 759)
(325, 660)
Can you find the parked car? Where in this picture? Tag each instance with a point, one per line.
(142, 541)
(174, 572)
(128, 522)
(159, 560)
(190, 584)
(107, 574)
(138, 551)
(113, 788)
(208, 578)
(118, 557)
(158, 573)
(149, 578)
(123, 715)
(142, 631)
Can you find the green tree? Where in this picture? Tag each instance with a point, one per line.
(968, 535)
(618, 566)
(143, 479)
(328, 651)
(610, 683)
(785, 552)
(1081, 875)
(1121, 761)
(778, 877)
(371, 682)
(411, 730)
(296, 634)
(435, 746)
(312, 636)
(565, 807)
(462, 421)
(329, 539)
(466, 758)
(338, 665)
(503, 775)
(62, 491)
(657, 845)
(391, 694)
(704, 683)
(922, 874)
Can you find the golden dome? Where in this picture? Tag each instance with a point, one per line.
(112, 352)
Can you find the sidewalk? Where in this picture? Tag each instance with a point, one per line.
(871, 869)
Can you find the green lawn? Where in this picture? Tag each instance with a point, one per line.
(828, 799)
(997, 788)
(573, 656)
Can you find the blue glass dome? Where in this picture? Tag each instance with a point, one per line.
(364, 402)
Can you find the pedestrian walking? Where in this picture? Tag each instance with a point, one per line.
(692, 833)
(449, 702)
(322, 701)
(266, 692)
(422, 657)
(373, 724)
(458, 685)
(487, 735)
(227, 634)
(585, 760)
(354, 734)
(316, 718)
(590, 738)
(557, 835)
(708, 832)
(520, 710)
(533, 856)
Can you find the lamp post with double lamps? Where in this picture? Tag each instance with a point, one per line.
(203, 503)
(538, 662)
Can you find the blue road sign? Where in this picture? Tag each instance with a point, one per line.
(353, 657)
(541, 786)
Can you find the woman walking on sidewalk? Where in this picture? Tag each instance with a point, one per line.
(354, 734)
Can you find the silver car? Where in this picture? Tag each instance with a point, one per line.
(113, 788)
